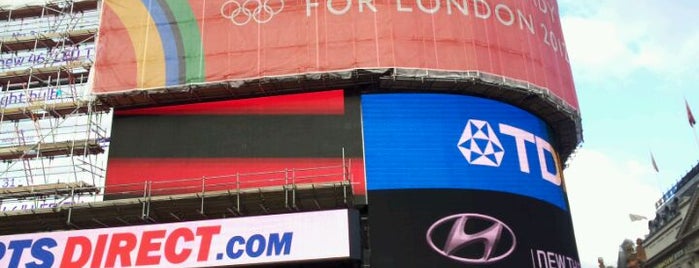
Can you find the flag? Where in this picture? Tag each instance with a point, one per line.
(690, 116)
(636, 217)
(652, 160)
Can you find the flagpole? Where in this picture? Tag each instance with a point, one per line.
(657, 170)
(696, 138)
(692, 121)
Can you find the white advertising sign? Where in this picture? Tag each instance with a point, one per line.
(225, 242)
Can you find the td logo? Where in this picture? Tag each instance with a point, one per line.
(480, 145)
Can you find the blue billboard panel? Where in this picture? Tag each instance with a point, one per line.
(444, 141)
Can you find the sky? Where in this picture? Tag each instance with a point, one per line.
(634, 62)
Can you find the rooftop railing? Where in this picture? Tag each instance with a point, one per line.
(50, 196)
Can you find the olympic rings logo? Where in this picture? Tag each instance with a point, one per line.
(251, 10)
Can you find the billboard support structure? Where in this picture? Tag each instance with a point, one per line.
(298, 192)
(294, 185)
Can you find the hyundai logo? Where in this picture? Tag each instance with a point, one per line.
(471, 238)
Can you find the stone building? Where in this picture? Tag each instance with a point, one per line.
(673, 240)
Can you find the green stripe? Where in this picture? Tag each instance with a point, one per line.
(191, 40)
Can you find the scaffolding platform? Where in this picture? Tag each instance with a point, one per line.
(48, 8)
(43, 190)
(181, 207)
(45, 40)
(44, 74)
(42, 109)
(90, 146)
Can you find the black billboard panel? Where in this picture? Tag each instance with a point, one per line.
(268, 141)
(468, 228)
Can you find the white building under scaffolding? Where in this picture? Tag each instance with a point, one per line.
(53, 135)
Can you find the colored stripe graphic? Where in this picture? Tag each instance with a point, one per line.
(170, 45)
(150, 63)
(189, 39)
(166, 40)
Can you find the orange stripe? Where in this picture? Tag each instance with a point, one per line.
(150, 59)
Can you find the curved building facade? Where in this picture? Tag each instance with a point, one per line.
(457, 180)
(431, 132)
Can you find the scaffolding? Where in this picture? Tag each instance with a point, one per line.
(53, 133)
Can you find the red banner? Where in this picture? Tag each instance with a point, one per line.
(153, 44)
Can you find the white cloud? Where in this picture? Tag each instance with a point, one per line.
(603, 191)
(589, 54)
(612, 39)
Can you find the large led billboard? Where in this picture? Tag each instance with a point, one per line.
(307, 236)
(154, 44)
(416, 141)
(248, 143)
(457, 180)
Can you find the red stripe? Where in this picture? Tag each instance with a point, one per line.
(184, 175)
(324, 102)
(117, 69)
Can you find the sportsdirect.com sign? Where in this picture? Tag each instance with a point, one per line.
(264, 239)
